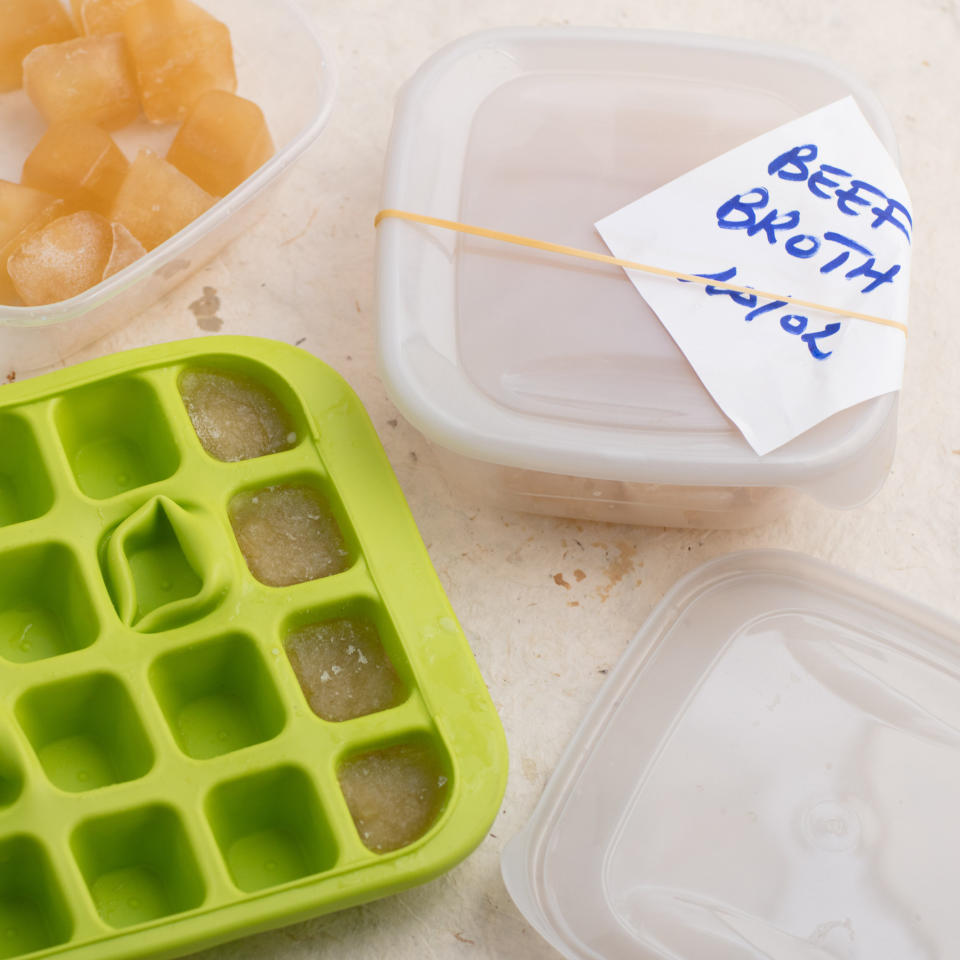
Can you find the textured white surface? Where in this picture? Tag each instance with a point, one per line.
(544, 641)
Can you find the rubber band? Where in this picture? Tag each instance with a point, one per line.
(560, 248)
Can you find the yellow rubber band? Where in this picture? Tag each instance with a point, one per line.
(560, 248)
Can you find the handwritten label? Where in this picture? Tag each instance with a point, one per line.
(815, 209)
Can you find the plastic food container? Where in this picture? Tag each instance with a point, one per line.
(282, 67)
(546, 383)
(770, 771)
(164, 784)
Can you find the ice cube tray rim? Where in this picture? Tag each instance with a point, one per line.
(219, 213)
(422, 714)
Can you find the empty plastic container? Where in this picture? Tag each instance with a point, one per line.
(283, 68)
(769, 772)
(167, 781)
(546, 383)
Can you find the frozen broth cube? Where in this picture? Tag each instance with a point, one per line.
(179, 52)
(288, 535)
(343, 669)
(24, 25)
(222, 142)
(126, 249)
(100, 16)
(156, 200)
(79, 162)
(19, 205)
(75, 9)
(62, 259)
(88, 79)
(394, 795)
(235, 417)
(23, 210)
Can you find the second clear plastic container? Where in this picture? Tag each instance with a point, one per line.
(546, 384)
(769, 773)
(282, 66)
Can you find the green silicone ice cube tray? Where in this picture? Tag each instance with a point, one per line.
(164, 784)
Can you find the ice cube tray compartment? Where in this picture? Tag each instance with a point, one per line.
(301, 519)
(115, 437)
(147, 672)
(33, 913)
(244, 370)
(217, 696)
(45, 606)
(85, 732)
(416, 773)
(271, 828)
(25, 491)
(330, 679)
(139, 865)
(11, 773)
(164, 566)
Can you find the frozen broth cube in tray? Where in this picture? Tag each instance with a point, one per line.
(288, 534)
(235, 417)
(79, 162)
(222, 142)
(156, 200)
(100, 16)
(23, 210)
(24, 25)
(88, 79)
(62, 259)
(343, 669)
(394, 795)
(179, 52)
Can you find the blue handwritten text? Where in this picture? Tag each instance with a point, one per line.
(743, 212)
(789, 322)
(828, 181)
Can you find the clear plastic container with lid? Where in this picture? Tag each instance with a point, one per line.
(282, 66)
(769, 773)
(545, 383)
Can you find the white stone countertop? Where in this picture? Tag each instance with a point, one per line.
(305, 273)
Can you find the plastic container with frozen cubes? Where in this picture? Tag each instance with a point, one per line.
(771, 771)
(545, 383)
(282, 66)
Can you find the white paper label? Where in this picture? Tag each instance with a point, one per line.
(815, 209)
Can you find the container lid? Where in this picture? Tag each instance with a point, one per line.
(531, 360)
(771, 771)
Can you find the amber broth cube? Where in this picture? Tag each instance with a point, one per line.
(63, 259)
(88, 79)
(179, 52)
(23, 210)
(19, 205)
(79, 162)
(343, 669)
(222, 142)
(24, 25)
(156, 200)
(394, 795)
(288, 535)
(235, 417)
(100, 16)
(75, 9)
(126, 249)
